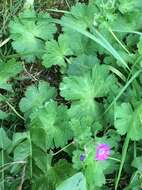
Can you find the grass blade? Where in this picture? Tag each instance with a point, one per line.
(124, 88)
(124, 152)
(127, 31)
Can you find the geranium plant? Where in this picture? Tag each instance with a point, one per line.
(78, 123)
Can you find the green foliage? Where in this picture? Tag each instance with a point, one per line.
(82, 90)
(92, 59)
(36, 96)
(56, 52)
(52, 175)
(130, 6)
(132, 125)
(29, 31)
(48, 121)
(3, 115)
(81, 16)
(137, 163)
(77, 127)
(8, 70)
(77, 182)
(93, 170)
(140, 46)
(5, 142)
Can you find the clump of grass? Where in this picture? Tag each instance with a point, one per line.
(8, 9)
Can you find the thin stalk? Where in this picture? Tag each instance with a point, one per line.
(14, 110)
(31, 156)
(58, 11)
(4, 42)
(115, 159)
(63, 148)
(12, 163)
(117, 72)
(119, 42)
(128, 31)
(113, 3)
(2, 157)
(68, 4)
(22, 178)
(68, 61)
(124, 152)
(135, 149)
(133, 66)
(7, 165)
(123, 89)
(136, 173)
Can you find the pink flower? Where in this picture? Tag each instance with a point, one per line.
(102, 152)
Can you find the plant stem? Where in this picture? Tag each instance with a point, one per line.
(14, 110)
(123, 89)
(113, 3)
(135, 150)
(2, 160)
(119, 42)
(67, 4)
(4, 42)
(63, 148)
(124, 152)
(115, 159)
(31, 156)
(58, 11)
(22, 178)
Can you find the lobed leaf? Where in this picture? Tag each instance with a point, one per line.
(127, 120)
(29, 31)
(36, 96)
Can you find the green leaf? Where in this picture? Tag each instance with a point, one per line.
(94, 174)
(5, 142)
(41, 159)
(81, 15)
(137, 163)
(127, 23)
(82, 90)
(18, 138)
(88, 86)
(127, 120)
(140, 46)
(56, 51)
(28, 31)
(78, 42)
(22, 151)
(50, 176)
(3, 115)
(8, 70)
(36, 96)
(36, 134)
(81, 130)
(82, 64)
(130, 6)
(135, 183)
(63, 169)
(50, 119)
(43, 182)
(76, 182)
